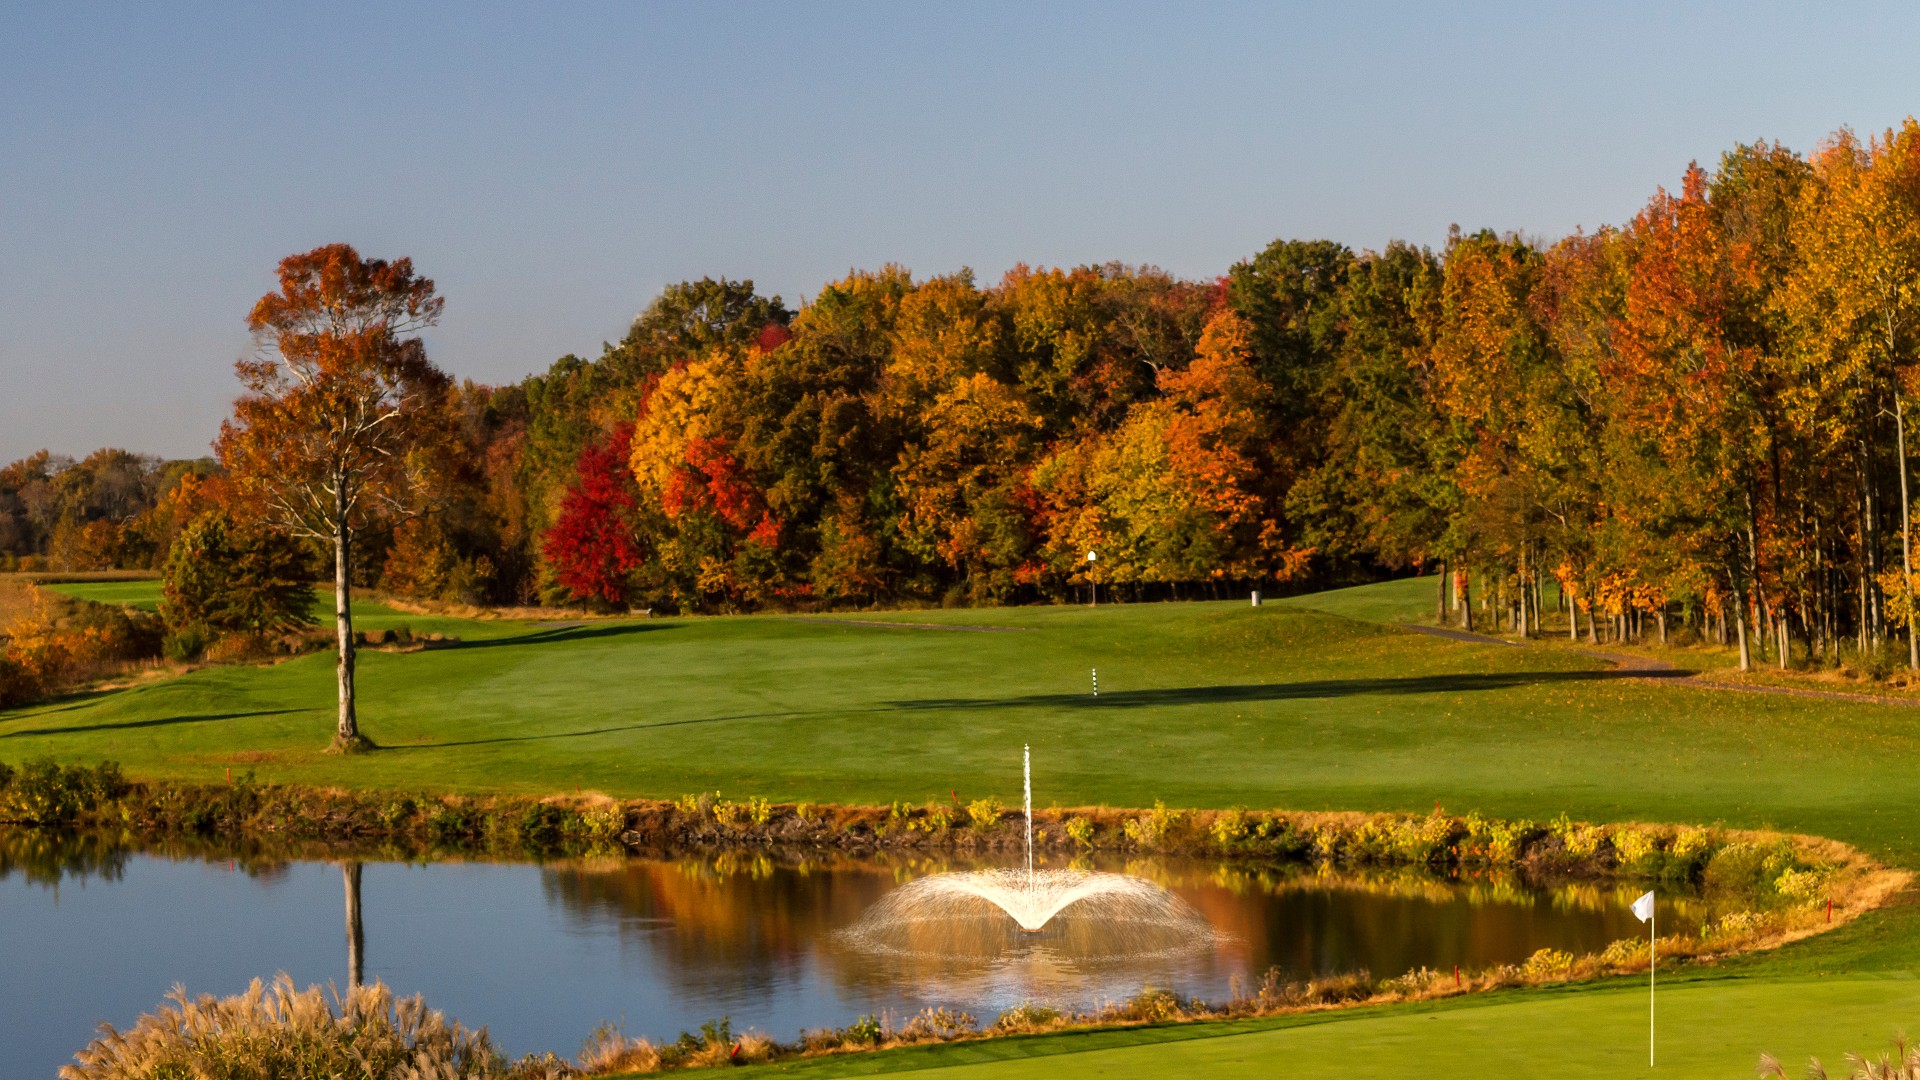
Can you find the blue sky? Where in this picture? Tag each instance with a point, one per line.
(553, 166)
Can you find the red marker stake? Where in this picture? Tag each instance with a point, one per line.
(1456, 976)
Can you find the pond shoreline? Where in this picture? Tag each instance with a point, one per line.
(1789, 880)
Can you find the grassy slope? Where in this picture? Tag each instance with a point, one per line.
(143, 594)
(1205, 704)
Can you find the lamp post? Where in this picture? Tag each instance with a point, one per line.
(1093, 557)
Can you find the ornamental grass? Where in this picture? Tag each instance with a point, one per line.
(283, 1033)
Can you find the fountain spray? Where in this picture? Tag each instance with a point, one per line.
(1026, 769)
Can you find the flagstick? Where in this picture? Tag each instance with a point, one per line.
(1653, 938)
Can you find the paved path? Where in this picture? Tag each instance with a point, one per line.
(1648, 667)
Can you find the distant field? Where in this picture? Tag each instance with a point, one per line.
(367, 614)
(142, 594)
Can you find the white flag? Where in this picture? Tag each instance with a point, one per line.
(1643, 907)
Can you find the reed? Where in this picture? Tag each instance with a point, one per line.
(282, 1032)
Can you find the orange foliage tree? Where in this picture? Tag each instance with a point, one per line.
(342, 421)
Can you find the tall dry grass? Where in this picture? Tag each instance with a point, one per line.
(283, 1033)
(1902, 1064)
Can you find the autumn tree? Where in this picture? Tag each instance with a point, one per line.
(593, 547)
(1856, 301)
(342, 420)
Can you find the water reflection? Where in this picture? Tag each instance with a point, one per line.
(356, 930)
(94, 931)
(710, 923)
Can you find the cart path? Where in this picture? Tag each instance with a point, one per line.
(1652, 669)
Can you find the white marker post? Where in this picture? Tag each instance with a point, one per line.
(1093, 557)
(1643, 910)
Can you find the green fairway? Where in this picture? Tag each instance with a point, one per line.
(142, 594)
(1211, 704)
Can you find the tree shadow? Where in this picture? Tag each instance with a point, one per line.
(1320, 688)
(591, 731)
(556, 634)
(158, 721)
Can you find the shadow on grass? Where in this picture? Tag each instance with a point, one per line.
(1319, 688)
(616, 729)
(158, 721)
(557, 634)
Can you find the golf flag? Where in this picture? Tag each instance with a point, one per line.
(1643, 908)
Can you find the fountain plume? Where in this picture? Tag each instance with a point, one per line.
(975, 913)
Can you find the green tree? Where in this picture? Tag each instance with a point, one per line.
(232, 577)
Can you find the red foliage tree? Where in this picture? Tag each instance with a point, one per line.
(592, 546)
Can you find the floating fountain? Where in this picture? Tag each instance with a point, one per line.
(1075, 914)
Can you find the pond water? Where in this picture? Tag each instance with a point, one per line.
(542, 953)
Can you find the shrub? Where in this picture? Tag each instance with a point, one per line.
(1747, 867)
(1080, 831)
(938, 1025)
(1153, 1006)
(1028, 1016)
(236, 577)
(605, 822)
(186, 644)
(6, 775)
(937, 819)
(543, 825)
(288, 1032)
(1548, 964)
(1229, 827)
(1152, 827)
(1497, 842)
(44, 793)
(864, 1031)
(984, 813)
(1419, 982)
(17, 684)
(1338, 989)
(1581, 841)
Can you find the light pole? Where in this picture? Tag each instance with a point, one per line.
(1093, 557)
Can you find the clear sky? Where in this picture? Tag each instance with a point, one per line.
(553, 166)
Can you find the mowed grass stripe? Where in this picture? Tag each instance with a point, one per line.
(1707, 1032)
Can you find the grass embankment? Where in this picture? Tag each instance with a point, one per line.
(1206, 705)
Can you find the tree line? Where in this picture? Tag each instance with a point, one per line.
(1696, 417)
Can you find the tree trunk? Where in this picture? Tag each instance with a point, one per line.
(346, 736)
(1663, 626)
(1440, 606)
(1740, 625)
(1906, 528)
(1466, 601)
(356, 935)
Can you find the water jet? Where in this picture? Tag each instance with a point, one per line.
(1084, 913)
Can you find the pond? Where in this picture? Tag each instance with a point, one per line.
(542, 953)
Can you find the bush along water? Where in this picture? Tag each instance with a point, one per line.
(44, 793)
